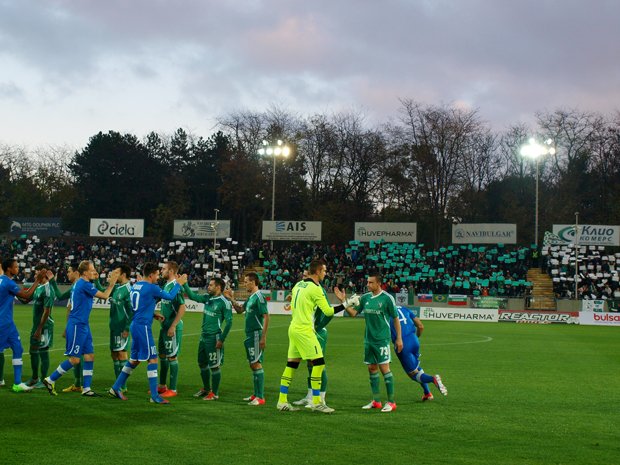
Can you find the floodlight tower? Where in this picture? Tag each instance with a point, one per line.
(534, 150)
(274, 150)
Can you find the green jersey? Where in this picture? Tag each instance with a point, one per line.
(217, 310)
(378, 310)
(42, 298)
(121, 311)
(170, 308)
(306, 297)
(255, 310)
(320, 319)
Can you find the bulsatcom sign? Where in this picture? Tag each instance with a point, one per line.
(201, 229)
(292, 230)
(484, 233)
(589, 234)
(388, 232)
(113, 227)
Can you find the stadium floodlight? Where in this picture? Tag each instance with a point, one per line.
(534, 150)
(274, 150)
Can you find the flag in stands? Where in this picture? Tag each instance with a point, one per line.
(425, 297)
(457, 299)
(439, 298)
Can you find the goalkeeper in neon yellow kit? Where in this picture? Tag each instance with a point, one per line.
(303, 342)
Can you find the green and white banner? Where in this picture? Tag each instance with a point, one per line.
(589, 234)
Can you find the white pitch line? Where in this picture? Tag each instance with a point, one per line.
(184, 335)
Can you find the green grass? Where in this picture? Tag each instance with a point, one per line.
(518, 394)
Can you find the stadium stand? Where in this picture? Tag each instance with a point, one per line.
(598, 272)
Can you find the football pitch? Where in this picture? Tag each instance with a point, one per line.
(517, 394)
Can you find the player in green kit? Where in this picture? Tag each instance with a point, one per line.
(42, 332)
(171, 333)
(256, 325)
(121, 313)
(217, 310)
(378, 308)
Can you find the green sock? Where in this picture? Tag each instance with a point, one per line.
(117, 368)
(78, 374)
(164, 364)
(174, 374)
(1, 366)
(309, 375)
(324, 381)
(389, 385)
(259, 383)
(205, 374)
(35, 362)
(216, 377)
(374, 387)
(45, 363)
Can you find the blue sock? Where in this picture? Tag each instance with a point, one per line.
(122, 378)
(61, 370)
(87, 374)
(151, 373)
(17, 370)
(426, 388)
(422, 377)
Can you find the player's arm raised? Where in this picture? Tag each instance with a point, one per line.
(230, 295)
(351, 304)
(25, 295)
(200, 298)
(113, 277)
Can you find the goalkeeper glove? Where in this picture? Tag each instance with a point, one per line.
(352, 301)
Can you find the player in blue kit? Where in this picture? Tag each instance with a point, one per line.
(411, 329)
(143, 347)
(79, 338)
(9, 336)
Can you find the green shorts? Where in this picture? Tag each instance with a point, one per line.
(118, 342)
(208, 355)
(303, 344)
(47, 336)
(377, 352)
(170, 346)
(322, 337)
(253, 351)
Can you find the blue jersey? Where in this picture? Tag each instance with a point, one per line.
(143, 300)
(8, 291)
(408, 329)
(81, 301)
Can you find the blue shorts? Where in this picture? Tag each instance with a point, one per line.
(143, 346)
(79, 340)
(410, 356)
(9, 337)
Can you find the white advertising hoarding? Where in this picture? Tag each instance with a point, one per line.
(388, 232)
(292, 230)
(484, 233)
(599, 319)
(589, 234)
(114, 227)
(201, 229)
(480, 315)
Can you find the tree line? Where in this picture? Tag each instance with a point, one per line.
(430, 164)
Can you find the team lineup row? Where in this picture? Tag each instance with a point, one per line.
(132, 310)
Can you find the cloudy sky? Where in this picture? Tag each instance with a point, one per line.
(71, 68)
